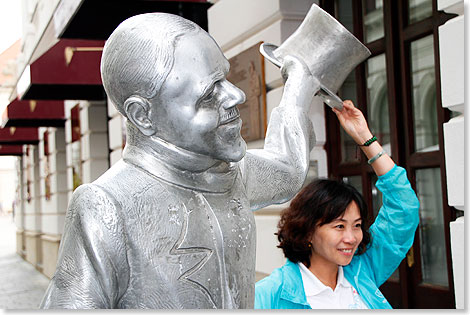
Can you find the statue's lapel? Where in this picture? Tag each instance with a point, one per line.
(201, 246)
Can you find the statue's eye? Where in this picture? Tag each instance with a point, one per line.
(209, 97)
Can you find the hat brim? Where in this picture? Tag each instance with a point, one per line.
(328, 97)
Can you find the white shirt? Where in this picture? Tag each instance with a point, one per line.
(320, 296)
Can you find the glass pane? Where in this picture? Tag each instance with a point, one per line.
(349, 150)
(431, 227)
(424, 95)
(377, 100)
(345, 15)
(355, 181)
(419, 10)
(373, 18)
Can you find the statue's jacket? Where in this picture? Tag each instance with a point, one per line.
(149, 233)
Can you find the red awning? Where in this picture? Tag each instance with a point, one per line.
(20, 135)
(68, 70)
(96, 19)
(7, 149)
(34, 113)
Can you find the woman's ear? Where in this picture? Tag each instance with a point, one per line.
(138, 113)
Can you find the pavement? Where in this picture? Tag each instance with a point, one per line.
(21, 285)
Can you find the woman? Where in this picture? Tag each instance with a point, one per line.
(334, 260)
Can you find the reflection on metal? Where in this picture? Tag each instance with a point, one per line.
(171, 224)
(330, 51)
(69, 51)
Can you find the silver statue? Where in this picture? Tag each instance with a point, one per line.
(171, 224)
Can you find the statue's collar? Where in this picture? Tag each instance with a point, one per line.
(181, 167)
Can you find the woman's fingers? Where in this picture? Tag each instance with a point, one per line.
(348, 104)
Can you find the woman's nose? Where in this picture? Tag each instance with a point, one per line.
(349, 237)
(235, 95)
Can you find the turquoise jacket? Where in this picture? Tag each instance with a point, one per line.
(392, 236)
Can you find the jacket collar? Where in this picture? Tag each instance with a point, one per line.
(292, 286)
(179, 167)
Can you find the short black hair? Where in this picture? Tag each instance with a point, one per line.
(318, 203)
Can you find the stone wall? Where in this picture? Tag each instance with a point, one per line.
(452, 60)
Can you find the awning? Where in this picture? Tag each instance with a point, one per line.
(68, 70)
(20, 135)
(34, 113)
(96, 19)
(7, 149)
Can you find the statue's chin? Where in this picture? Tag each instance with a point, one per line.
(233, 154)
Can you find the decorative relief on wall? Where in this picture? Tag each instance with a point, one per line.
(247, 73)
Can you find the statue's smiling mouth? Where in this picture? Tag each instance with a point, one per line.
(230, 116)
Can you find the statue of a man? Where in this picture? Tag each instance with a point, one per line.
(170, 225)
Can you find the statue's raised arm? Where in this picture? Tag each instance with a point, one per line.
(277, 172)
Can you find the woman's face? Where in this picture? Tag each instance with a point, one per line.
(337, 241)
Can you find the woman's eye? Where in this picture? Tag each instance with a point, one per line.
(358, 225)
(339, 226)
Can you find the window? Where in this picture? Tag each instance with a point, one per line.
(398, 90)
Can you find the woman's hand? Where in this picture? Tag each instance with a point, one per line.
(353, 122)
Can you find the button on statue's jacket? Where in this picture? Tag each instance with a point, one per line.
(151, 234)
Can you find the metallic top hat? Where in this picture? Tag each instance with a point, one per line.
(329, 50)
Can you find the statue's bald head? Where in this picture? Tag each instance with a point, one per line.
(139, 54)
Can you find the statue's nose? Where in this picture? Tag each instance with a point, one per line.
(235, 95)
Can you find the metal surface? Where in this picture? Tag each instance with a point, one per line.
(330, 51)
(171, 224)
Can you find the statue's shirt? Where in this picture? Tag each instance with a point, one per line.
(149, 235)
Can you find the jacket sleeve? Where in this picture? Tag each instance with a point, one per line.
(276, 173)
(394, 228)
(92, 269)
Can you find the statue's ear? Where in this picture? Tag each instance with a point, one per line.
(138, 112)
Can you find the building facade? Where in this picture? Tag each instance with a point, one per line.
(411, 89)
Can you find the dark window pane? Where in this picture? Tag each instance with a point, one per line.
(431, 227)
(345, 15)
(349, 150)
(419, 10)
(377, 100)
(355, 181)
(373, 18)
(424, 95)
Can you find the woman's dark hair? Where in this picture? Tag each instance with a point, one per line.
(318, 203)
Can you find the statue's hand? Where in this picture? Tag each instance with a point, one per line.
(300, 84)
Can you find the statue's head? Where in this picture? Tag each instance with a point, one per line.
(167, 76)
